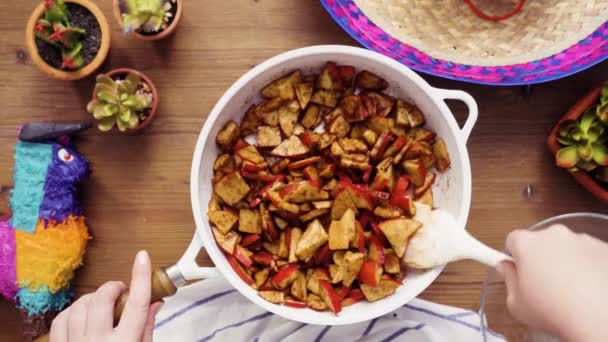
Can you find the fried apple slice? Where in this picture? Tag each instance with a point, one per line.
(343, 231)
(251, 153)
(268, 136)
(291, 148)
(276, 297)
(329, 79)
(370, 81)
(316, 303)
(304, 93)
(351, 265)
(298, 287)
(338, 127)
(385, 288)
(232, 188)
(226, 242)
(398, 232)
(250, 221)
(223, 220)
(440, 150)
(303, 192)
(251, 121)
(227, 135)
(327, 98)
(311, 117)
(283, 87)
(287, 119)
(384, 103)
(314, 237)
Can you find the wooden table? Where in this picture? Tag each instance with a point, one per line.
(138, 195)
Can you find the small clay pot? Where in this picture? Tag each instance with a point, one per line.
(162, 34)
(144, 78)
(102, 53)
(583, 177)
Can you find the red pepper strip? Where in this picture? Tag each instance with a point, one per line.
(266, 178)
(323, 256)
(508, 15)
(250, 240)
(258, 199)
(239, 270)
(295, 304)
(400, 198)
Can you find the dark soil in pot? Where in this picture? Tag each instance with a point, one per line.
(80, 17)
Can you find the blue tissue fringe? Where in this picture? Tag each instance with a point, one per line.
(31, 165)
(42, 300)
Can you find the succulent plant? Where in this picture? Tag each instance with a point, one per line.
(54, 28)
(602, 108)
(148, 16)
(119, 102)
(584, 143)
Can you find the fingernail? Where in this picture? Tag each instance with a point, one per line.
(142, 257)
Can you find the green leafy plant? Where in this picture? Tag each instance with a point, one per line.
(119, 102)
(584, 143)
(602, 108)
(145, 15)
(54, 28)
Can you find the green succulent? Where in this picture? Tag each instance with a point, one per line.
(602, 108)
(117, 102)
(584, 143)
(144, 15)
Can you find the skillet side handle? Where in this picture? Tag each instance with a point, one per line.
(460, 95)
(162, 286)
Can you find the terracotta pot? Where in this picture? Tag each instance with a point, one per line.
(583, 177)
(30, 42)
(153, 110)
(162, 34)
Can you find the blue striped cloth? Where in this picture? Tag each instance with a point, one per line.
(211, 310)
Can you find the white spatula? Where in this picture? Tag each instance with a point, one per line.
(441, 240)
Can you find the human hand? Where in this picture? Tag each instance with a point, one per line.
(90, 318)
(558, 283)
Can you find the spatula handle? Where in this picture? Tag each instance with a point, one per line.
(479, 252)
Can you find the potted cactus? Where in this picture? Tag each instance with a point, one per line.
(580, 142)
(148, 19)
(67, 39)
(125, 99)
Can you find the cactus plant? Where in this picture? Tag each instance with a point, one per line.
(584, 143)
(147, 16)
(54, 28)
(119, 102)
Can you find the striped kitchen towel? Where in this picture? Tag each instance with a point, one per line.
(211, 310)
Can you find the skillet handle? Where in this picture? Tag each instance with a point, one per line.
(460, 95)
(188, 267)
(162, 286)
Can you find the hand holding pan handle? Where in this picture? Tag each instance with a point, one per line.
(166, 281)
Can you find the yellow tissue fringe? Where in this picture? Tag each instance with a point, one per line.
(50, 255)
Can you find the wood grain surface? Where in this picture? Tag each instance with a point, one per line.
(138, 195)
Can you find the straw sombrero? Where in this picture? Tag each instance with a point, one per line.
(547, 39)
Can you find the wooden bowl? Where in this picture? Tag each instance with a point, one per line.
(146, 79)
(102, 53)
(583, 177)
(162, 34)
